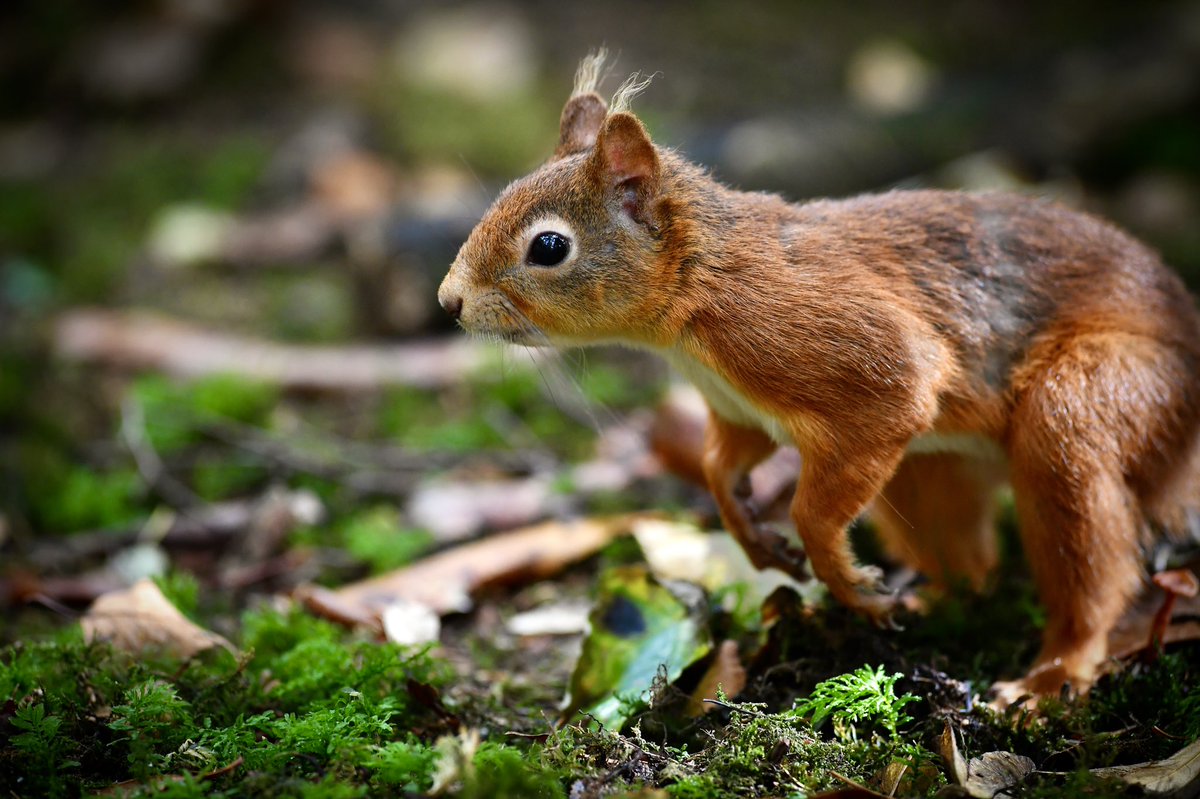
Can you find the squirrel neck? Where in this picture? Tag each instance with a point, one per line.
(714, 243)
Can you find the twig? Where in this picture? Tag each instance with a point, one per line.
(149, 464)
(207, 527)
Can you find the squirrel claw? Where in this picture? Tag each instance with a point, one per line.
(876, 602)
(786, 552)
(773, 550)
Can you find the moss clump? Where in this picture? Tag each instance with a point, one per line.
(306, 701)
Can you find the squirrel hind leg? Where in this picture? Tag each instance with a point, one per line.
(937, 516)
(1085, 431)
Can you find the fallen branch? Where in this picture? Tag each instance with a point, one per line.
(143, 340)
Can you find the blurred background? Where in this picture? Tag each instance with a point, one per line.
(222, 224)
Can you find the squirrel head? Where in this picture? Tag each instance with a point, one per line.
(565, 254)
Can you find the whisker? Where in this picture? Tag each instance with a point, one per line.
(483, 192)
(562, 387)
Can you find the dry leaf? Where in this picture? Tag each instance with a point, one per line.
(991, 773)
(560, 618)
(985, 776)
(889, 781)
(410, 623)
(445, 581)
(1178, 775)
(726, 673)
(141, 618)
(679, 551)
(956, 764)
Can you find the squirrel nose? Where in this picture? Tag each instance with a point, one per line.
(453, 304)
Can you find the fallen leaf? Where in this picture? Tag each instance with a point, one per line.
(140, 618)
(444, 582)
(327, 604)
(956, 764)
(455, 765)
(983, 777)
(560, 618)
(410, 623)
(1178, 775)
(680, 551)
(726, 673)
(992, 773)
(889, 781)
(638, 627)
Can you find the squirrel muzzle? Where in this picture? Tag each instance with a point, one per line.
(450, 293)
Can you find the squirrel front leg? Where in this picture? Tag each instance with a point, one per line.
(834, 487)
(730, 452)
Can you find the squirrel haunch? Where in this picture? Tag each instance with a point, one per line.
(917, 347)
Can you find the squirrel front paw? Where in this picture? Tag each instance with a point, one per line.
(769, 549)
(874, 600)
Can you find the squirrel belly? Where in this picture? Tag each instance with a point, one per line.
(919, 348)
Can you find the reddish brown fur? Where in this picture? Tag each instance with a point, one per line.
(855, 327)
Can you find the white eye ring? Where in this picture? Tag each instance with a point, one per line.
(550, 223)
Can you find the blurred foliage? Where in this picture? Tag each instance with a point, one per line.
(375, 535)
(424, 125)
(88, 231)
(175, 412)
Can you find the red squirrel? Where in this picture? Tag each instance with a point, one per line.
(919, 349)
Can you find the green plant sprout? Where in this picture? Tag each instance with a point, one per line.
(865, 694)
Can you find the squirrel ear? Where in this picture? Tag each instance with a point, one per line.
(627, 161)
(579, 125)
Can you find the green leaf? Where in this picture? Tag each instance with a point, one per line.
(638, 627)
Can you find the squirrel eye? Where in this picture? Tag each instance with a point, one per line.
(549, 249)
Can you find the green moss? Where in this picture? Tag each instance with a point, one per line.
(310, 701)
(504, 772)
(153, 721)
(81, 498)
(182, 590)
(175, 412)
(376, 537)
(403, 765)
